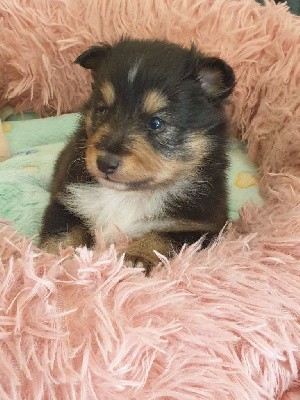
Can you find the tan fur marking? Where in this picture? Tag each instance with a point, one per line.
(88, 121)
(144, 163)
(102, 131)
(198, 145)
(108, 93)
(90, 160)
(154, 101)
(142, 250)
(91, 152)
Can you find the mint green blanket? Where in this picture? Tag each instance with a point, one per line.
(35, 144)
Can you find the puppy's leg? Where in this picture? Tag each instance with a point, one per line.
(142, 250)
(189, 237)
(167, 243)
(60, 225)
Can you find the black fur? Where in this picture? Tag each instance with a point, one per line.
(194, 86)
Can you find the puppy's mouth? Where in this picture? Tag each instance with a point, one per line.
(109, 182)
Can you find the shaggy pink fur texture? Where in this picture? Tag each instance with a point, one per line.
(219, 324)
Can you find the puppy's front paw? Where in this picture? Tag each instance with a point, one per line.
(140, 251)
(140, 262)
(76, 237)
(51, 244)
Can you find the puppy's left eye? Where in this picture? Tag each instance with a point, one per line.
(102, 110)
(156, 124)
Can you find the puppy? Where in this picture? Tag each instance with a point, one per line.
(149, 157)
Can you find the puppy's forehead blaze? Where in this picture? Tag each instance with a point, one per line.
(154, 100)
(108, 93)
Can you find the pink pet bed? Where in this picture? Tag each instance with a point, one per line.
(218, 324)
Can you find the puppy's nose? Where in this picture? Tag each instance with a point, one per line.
(108, 163)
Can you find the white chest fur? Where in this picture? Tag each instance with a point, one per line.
(132, 212)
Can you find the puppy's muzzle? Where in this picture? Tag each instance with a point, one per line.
(108, 163)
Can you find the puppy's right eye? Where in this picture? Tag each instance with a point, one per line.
(156, 124)
(101, 110)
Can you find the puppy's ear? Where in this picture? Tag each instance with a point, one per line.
(215, 76)
(92, 57)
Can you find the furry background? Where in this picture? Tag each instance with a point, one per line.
(219, 324)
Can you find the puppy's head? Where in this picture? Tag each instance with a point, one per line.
(154, 111)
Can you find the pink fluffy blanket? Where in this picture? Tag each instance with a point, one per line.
(219, 324)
